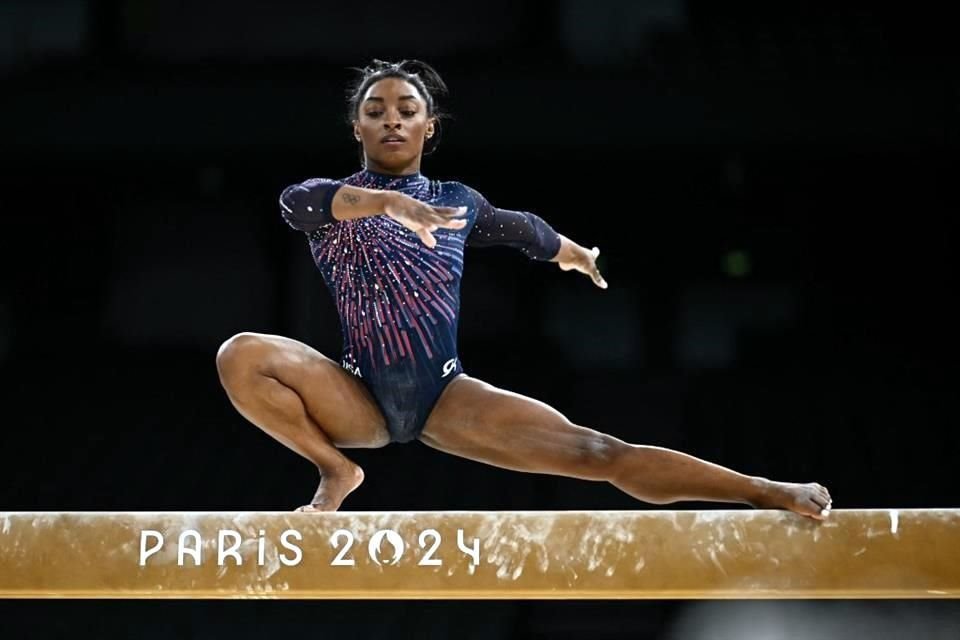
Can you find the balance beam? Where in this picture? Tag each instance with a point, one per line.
(903, 553)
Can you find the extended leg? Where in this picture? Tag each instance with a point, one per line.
(476, 420)
(307, 402)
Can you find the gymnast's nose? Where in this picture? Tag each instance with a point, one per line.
(391, 120)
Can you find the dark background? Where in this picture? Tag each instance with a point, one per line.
(771, 190)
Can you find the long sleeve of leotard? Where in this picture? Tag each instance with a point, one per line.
(524, 231)
(309, 205)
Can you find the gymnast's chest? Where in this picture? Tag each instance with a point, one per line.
(378, 251)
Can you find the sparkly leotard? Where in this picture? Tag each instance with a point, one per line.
(399, 300)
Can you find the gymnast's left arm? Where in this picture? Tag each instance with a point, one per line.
(533, 236)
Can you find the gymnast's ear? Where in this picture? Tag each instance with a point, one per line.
(356, 130)
(431, 127)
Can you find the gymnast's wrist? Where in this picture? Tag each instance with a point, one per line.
(385, 199)
(352, 202)
(567, 251)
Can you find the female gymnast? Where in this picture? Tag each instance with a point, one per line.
(390, 245)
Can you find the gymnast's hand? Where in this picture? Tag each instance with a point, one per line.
(421, 218)
(573, 256)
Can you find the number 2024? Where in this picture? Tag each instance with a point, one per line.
(396, 541)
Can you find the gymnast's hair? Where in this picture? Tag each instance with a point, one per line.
(421, 75)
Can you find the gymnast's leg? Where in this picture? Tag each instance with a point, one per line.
(475, 420)
(307, 402)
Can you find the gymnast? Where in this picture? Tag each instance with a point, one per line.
(389, 243)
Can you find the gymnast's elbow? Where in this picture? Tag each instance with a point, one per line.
(295, 208)
(306, 206)
(291, 200)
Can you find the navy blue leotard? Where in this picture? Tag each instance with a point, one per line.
(399, 300)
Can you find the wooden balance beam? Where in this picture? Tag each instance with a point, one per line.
(899, 553)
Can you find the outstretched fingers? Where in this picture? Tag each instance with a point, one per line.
(450, 217)
(594, 270)
(426, 237)
(433, 218)
(585, 262)
(446, 217)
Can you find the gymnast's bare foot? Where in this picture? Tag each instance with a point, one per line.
(334, 487)
(811, 500)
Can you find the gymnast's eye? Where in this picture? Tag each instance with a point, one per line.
(374, 114)
(408, 113)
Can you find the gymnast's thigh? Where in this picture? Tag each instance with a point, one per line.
(476, 420)
(339, 402)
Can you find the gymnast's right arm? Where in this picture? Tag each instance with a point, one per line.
(317, 202)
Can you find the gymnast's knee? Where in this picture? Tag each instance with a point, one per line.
(600, 454)
(240, 356)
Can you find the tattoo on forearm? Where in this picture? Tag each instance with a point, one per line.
(350, 198)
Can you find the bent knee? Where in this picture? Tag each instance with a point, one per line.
(241, 354)
(251, 354)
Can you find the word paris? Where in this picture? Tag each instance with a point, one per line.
(342, 541)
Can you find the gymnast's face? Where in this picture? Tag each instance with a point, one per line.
(392, 124)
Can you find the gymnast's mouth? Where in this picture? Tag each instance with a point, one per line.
(394, 138)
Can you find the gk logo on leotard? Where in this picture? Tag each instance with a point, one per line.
(448, 367)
